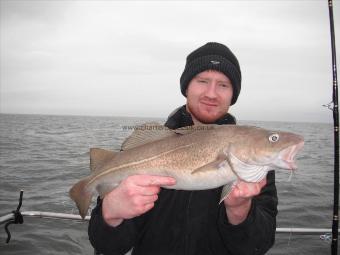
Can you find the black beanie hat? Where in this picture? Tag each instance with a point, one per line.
(212, 56)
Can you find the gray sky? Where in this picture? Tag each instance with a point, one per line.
(124, 58)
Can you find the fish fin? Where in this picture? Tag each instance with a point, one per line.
(146, 133)
(80, 194)
(227, 189)
(99, 156)
(244, 171)
(194, 128)
(228, 154)
(105, 188)
(212, 166)
(185, 130)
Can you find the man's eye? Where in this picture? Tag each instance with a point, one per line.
(202, 81)
(225, 85)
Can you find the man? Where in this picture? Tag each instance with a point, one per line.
(139, 214)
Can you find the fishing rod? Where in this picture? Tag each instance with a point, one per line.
(335, 109)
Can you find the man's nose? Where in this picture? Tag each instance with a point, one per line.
(211, 90)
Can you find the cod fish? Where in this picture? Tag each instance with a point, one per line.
(198, 157)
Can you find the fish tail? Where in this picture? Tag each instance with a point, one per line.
(81, 196)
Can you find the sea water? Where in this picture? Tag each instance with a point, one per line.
(45, 155)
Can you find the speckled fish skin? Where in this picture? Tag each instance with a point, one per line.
(199, 157)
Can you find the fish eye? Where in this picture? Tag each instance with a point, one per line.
(274, 138)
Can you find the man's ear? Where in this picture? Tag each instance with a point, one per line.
(186, 90)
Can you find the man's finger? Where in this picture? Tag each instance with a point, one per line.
(248, 190)
(149, 206)
(149, 199)
(154, 180)
(146, 190)
(263, 182)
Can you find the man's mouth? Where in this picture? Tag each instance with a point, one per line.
(211, 104)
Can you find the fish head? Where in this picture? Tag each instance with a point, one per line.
(261, 147)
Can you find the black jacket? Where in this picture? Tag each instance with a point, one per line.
(190, 222)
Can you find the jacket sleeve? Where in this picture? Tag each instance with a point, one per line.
(257, 233)
(111, 240)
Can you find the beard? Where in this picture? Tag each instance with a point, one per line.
(205, 116)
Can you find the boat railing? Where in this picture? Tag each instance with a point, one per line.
(17, 217)
(66, 216)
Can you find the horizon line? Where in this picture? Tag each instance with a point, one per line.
(150, 117)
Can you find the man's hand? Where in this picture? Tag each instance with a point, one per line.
(134, 196)
(238, 202)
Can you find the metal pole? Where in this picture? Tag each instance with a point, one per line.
(335, 109)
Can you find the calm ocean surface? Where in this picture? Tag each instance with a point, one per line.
(46, 155)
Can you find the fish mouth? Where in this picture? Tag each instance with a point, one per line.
(287, 156)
